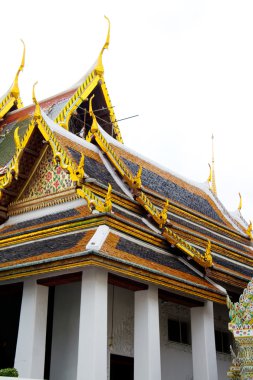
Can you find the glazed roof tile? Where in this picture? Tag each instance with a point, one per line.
(173, 191)
(207, 233)
(44, 220)
(149, 254)
(164, 263)
(40, 247)
(235, 267)
(128, 216)
(154, 179)
(93, 165)
(71, 248)
(7, 145)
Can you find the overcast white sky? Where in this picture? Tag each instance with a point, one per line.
(185, 67)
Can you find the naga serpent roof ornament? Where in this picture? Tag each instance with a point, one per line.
(12, 97)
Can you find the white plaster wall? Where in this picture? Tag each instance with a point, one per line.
(176, 358)
(224, 361)
(221, 320)
(65, 331)
(120, 323)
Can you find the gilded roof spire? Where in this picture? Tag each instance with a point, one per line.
(240, 202)
(37, 112)
(99, 66)
(211, 178)
(11, 100)
(14, 87)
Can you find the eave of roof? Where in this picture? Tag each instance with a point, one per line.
(65, 254)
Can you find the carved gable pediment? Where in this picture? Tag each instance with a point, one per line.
(48, 184)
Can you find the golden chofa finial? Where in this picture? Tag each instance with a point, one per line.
(99, 66)
(37, 112)
(240, 202)
(14, 87)
(164, 214)
(136, 181)
(108, 199)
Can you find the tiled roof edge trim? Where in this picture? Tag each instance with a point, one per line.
(86, 253)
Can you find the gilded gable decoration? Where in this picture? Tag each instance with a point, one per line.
(93, 82)
(48, 179)
(11, 100)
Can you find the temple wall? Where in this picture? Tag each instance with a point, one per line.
(176, 358)
(122, 322)
(65, 331)
(221, 320)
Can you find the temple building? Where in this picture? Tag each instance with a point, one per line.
(111, 267)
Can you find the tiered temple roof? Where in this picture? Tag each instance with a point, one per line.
(71, 195)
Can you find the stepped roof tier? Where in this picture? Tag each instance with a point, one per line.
(71, 195)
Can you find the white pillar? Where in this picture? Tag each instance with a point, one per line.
(203, 343)
(30, 350)
(92, 349)
(147, 361)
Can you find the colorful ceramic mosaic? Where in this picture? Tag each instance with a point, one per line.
(241, 325)
(48, 179)
(241, 313)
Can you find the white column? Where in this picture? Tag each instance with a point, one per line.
(92, 350)
(147, 361)
(203, 343)
(30, 350)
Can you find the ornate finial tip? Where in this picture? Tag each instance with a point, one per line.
(33, 94)
(23, 57)
(108, 34)
(240, 202)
